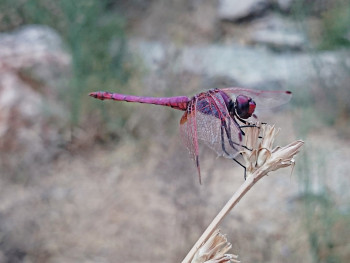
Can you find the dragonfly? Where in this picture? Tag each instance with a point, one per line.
(216, 117)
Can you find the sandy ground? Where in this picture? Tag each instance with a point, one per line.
(126, 203)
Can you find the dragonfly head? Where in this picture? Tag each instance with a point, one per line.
(244, 106)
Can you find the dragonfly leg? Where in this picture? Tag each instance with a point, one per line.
(247, 123)
(245, 168)
(232, 143)
(251, 126)
(243, 133)
(224, 149)
(223, 142)
(238, 127)
(241, 120)
(228, 133)
(248, 126)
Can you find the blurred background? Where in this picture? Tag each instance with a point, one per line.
(89, 181)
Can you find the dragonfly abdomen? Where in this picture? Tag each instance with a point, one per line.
(179, 102)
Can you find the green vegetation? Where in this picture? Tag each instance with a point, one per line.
(325, 213)
(334, 16)
(336, 26)
(326, 221)
(326, 99)
(88, 29)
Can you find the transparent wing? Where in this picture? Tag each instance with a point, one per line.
(264, 99)
(215, 126)
(207, 119)
(188, 132)
(215, 136)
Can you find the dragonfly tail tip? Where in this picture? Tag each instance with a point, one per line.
(199, 170)
(93, 94)
(97, 95)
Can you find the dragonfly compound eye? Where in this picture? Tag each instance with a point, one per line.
(245, 106)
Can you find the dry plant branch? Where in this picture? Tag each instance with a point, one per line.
(214, 250)
(260, 160)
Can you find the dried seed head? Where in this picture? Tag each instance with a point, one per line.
(213, 251)
(263, 155)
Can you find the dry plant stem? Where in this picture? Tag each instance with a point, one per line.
(261, 160)
(243, 189)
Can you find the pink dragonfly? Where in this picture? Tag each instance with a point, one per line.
(215, 117)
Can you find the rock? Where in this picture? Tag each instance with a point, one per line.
(307, 6)
(183, 20)
(35, 48)
(247, 66)
(33, 64)
(279, 41)
(277, 33)
(234, 10)
(285, 5)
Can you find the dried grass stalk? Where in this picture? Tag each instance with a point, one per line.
(214, 250)
(260, 159)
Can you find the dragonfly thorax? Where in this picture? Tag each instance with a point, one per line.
(243, 107)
